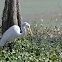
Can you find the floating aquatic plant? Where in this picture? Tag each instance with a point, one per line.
(44, 46)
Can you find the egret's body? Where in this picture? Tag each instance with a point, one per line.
(14, 32)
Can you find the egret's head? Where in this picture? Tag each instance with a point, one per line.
(27, 25)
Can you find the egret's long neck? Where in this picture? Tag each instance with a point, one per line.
(23, 31)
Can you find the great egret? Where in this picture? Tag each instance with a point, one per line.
(14, 32)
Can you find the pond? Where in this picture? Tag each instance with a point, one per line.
(47, 12)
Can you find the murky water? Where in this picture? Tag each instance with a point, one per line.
(48, 12)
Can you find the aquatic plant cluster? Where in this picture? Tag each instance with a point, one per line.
(48, 34)
(44, 46)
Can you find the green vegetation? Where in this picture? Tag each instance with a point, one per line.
(44, 46)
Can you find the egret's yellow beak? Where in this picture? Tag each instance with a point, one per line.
(30, 31)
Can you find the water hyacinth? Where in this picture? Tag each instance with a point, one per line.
(44, 46)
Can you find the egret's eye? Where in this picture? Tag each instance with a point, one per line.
(28, 26)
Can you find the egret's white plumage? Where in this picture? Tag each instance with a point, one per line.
(14, 32)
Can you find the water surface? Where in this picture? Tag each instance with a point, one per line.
(48, 12)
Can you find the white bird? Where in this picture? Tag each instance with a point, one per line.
(14, 32)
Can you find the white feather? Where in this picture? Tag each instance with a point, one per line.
(13, 32)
